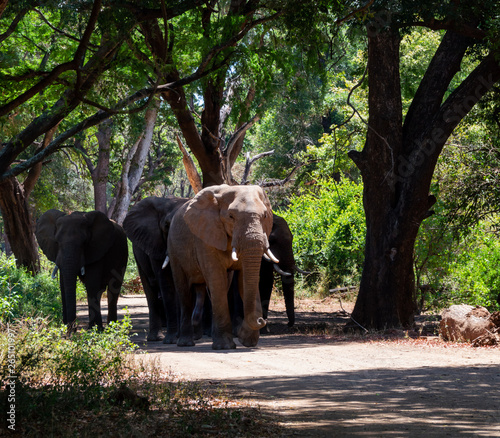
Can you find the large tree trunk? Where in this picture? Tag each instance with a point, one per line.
(18, 225)
(397, 164)
(16, 215)
(385, 296)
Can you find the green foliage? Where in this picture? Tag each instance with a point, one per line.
(22, 294)
(88, 358)
(455, 268)
(329, 228)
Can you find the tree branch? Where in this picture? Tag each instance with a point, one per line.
(14, 23)
(248, 164)
(192, 173)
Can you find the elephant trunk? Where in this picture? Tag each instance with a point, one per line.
(251, 301)
(69, 270)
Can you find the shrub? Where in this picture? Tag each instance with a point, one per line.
(328, 225)
(88, 358)
(22, 294)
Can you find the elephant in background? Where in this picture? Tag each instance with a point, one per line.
(222, 229)
(280, 242)
(88, 246)
(147, 225)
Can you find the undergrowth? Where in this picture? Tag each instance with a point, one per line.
(93, 383)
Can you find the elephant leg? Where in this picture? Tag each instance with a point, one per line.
(112, 306)
(265, 289)
(207, 317)
(151, 291)
(222, 335)
(63, 299)
(114, 288)
(95, 316)
(197, 318)
(184, 291)
(170, 305)
(289, 294)
(235, 304)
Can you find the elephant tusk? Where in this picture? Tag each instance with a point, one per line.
(165, 263)
(280, 271)
(54, 272)
(300, 271)
(234, 256)
(266, 257)
(82, 271)
(271, 256)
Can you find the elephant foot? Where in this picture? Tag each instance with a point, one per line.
(198, 332)
(225, 342)
(154, 337)
(185, 342)
(170, 339)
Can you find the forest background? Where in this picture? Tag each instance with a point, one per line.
(98, 97)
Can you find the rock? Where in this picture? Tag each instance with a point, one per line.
(464, 323)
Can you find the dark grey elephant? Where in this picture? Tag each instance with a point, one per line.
(87, 246)
(280, 242)
(222, 229)
(147, 225)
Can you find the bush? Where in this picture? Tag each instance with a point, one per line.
(328, 225)
(88, 358)
(22, 294)
(453, 268)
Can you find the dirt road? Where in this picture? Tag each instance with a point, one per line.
(325, 384)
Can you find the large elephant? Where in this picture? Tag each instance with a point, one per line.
(147, 225)
(87, 246)
(223, 228)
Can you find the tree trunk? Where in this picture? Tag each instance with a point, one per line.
(18, 225)
(16, 215)
(134, 166)
(397, 164)
(101, 171)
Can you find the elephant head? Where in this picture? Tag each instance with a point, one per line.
(74, 242)
(236, 221)
(148, 222)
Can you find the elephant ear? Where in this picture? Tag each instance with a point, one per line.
(143, 228)
(203, 218)
(45, 233)
(102, 236)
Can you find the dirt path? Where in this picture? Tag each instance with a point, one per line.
(325, 384)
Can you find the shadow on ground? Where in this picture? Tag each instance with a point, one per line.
(425, 402)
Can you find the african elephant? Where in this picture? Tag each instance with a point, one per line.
(223, 228)
(280, 242)
(87, 246)
(146, 225)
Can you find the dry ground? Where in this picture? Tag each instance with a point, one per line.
(320, 382)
